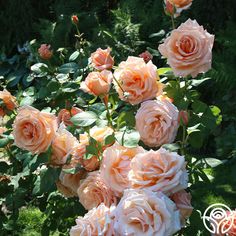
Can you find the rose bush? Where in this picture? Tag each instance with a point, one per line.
(114, 137)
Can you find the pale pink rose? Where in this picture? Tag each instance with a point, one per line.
(157, 122)
(188, 49)
(97, 83)
(138, 81)
(9, 102)
(45, 51)
(65, 115)
(98, 221)
(101, 59)
(63, 145)
(34, 130)
(147, 56)
(182, 199)
(116, 166)
(68, 184)
(93, 191)
(144, 213)
(159, 170)
(99, 134)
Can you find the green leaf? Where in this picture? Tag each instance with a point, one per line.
(67, 68)
(164, 70)
(110, 139)
(39, 68)
(213, 162)
(216, 112)
(27, 101)
(73, 170)
(161, 33)
(126, 118)
(93, 147)
(74, 56)
(197, 82)
(84, 119)
(128, 138)
(173, 147)
(193, 129)
(4, 142)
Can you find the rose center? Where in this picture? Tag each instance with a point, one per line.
(187, 44)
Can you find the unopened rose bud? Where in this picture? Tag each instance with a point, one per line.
(147, 56)
(169, 8)
(45, 51)
(183, 117)
(75, 19)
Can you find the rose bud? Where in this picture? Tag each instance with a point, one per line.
(147, 56)
(45, 52)
(75, 19)
(169, 8)
(183, 117)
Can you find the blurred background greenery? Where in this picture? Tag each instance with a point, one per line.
(131, 27)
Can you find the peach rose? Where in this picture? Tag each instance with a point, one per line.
(97, 83)
(34, 130)
(8, 102)
(159, 170)
(68, 184)
(45, 52)
(101, 59)
(99, 134)
(144, 213)
(65, 115)
(93, 191)
(98, 221)
(63, 145)
(188, 49)
(182, 199)
(157, 122)
(2, 130)
(138, 81)
(116, 166)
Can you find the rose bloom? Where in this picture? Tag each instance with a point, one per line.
(144, 213)
(63, 145)
(45, 52)
(34, 130)
(9, 102)
(182, 199)
(93, 191)
(147, 56)
(98, 221)
(99, 134)
(97, 83)
(65, 115)
(159, 170)
(157, 122)
(68, 184)
(188, 49)
(116, 166)
(101, 59)
(138, 80)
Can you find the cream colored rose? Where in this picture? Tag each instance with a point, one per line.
(188, 49)
(160, 170)
(101, 59)
(34, 130)
(116, 166)
(97, 83)
(93, 191)
(68, 184)
(138, 80)
(8, 102)
(97, 222)
(144, 213)
(157, 122)
(63, 145)
(182, 199)
(99, 134)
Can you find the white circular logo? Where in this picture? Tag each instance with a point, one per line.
(218, 219)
